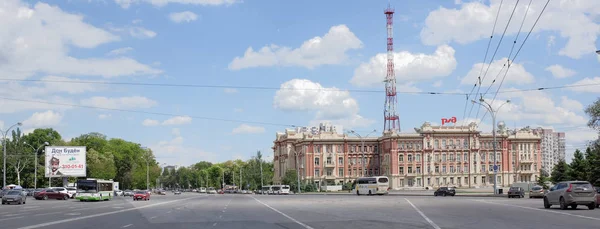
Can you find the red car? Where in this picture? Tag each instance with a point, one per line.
(141, 195)
(50, 194)
(598, 197)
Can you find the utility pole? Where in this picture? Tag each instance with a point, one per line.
(298, 168)
(241, 184)
(490, 109)
(261, 176)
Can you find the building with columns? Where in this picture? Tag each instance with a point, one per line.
(433, 156)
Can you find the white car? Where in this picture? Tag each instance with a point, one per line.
(202, 190)
(63, 190)
(72, 191)
(118, 193)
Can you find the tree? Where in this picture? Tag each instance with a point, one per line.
(593, 110)
(542, 179)
(18, 156)
(100, 165)
(592, 156)
(560, 172)
(578, 167)
(291, 178)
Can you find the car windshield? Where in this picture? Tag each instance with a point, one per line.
(87, 186)
(536, 188)
(140, 192)
(582, 185)
(514, 188)
(13, 193)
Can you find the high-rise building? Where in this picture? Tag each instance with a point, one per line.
(553, 148)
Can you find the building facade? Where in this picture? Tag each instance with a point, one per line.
(553, 148)
(433, 156)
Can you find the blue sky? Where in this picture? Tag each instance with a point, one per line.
(439, 46)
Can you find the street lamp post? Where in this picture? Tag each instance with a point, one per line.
(362, 148)
(490, 109)
(36, 161)
(147, 173)
(4, 152)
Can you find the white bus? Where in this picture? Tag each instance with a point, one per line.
(267, 189)
(281, 189)
(94, 189)
(371, 185)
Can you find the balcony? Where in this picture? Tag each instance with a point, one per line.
(526, 160)
(527, 172)
(329, 165)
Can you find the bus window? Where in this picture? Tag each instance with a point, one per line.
(383, 180)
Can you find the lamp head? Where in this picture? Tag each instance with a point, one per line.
(46, 143)
(481, 100)
(19, 124)
(508, 101)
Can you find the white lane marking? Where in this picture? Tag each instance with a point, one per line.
(423, 215)
(73, 213)
(283, 214)
(11, 215)
(18, 217)
(153, 217)
(118, 207)
(101, 214)
(128, 225)
(49, 213)
(169, 212)
(543, 210)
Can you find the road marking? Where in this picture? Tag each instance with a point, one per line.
(286, 216)
(544, 210)
(153, 217)
(100, 214)
(214, 224)
(169, 212)
(18, 217)
(423, 215)
(74, 213)
(49, 213)
(128, 225)
(11, 215)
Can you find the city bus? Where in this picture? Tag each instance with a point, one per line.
(371, 185)
(281, 189)
(267, 189)
(94, 189)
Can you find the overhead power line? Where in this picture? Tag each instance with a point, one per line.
(222, 86)
(148, 112)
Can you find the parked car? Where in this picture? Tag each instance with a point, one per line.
(119, 192)
(128, 193)
(537, 191)
(516, 192)
(14, 196)
(141, 195)
(72, 191)
(51, 194)
(445, 191)
(571, 193)
(598, 197)
(177, 192)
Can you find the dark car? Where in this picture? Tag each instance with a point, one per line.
(51, 194)
(445, 191)
(598, 197)
(516, 192)
(141, 195)
(14, 196)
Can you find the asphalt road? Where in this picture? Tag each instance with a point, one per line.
(232, 211)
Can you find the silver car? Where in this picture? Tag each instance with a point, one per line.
(571, 193)
(14, 196)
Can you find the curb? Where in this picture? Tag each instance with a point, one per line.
(408, 194)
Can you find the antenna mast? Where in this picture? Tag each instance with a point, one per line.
(391, 118)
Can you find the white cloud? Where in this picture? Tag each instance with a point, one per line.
(2, 125)
(330, 104)
(573, 20)
(150, 122)
(44, 46)
(581, 135)
(571, 104)
(230, 90)
(248, 129)
(178, 120)
(594, 85)
(185, 16)
(560, 71)
(140, 32)
(13, 106)
(175, 152)
(104, 116)
(437, 83)
(238, 110)
(43, 119)
(127, 3)
(119, 102)
(408, 67)
(327, 50)
(516, 74)
(120, 51)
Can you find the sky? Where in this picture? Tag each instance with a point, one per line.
(233, 73)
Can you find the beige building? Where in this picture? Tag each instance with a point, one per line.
(433, 156)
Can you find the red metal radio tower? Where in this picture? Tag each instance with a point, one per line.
(391, 119)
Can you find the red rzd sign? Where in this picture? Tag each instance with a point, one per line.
(450, 120)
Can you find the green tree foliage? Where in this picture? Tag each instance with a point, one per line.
(291, 178)
(578, 167)
(100, 165)
(542, 179)
(593, 110)
(592, 154)
(560, 172)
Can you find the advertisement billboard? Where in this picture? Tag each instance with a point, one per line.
(65, 161)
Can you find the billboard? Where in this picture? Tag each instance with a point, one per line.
(65, 161)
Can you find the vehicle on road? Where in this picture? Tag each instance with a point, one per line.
(14, 196)
(267, 189)
(202, 190)
(281, 189)
(537, 192)
(127, 192)
(141, 195)
(516, 192)
(445, 191)
(571, 193)
(177, 192)
(371, 185)
(598, 197)
(211, 190)
(119, 193)
(94, 189)
(72, 191)
(51, 194)
(63, 190)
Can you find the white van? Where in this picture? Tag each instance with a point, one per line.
(371, 185)
(202, 190)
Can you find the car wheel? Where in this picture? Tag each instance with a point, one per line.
(563, 205)
(45, 197)
(546, 203)
(592, 206)
(65, 197)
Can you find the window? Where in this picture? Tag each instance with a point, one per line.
(483, 168)
(340, 161)
(466, 169)
(444, 144)
(458, 157)
(466, 157)
(317, 172)
(375, 149)
(444, 169)
(418, 169)
(330, 172)
(329, 148)
(418, 157)
(352, 149)
(410, 170)
(410, 158)
(401, 157)
(316, 161)
(401, 168)
(452, 169)
(318, 148)
(443, 157)
(437, 169)
(437, 144)
(329, 160)
(491, 156)
(466, 142)
(437, 157)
